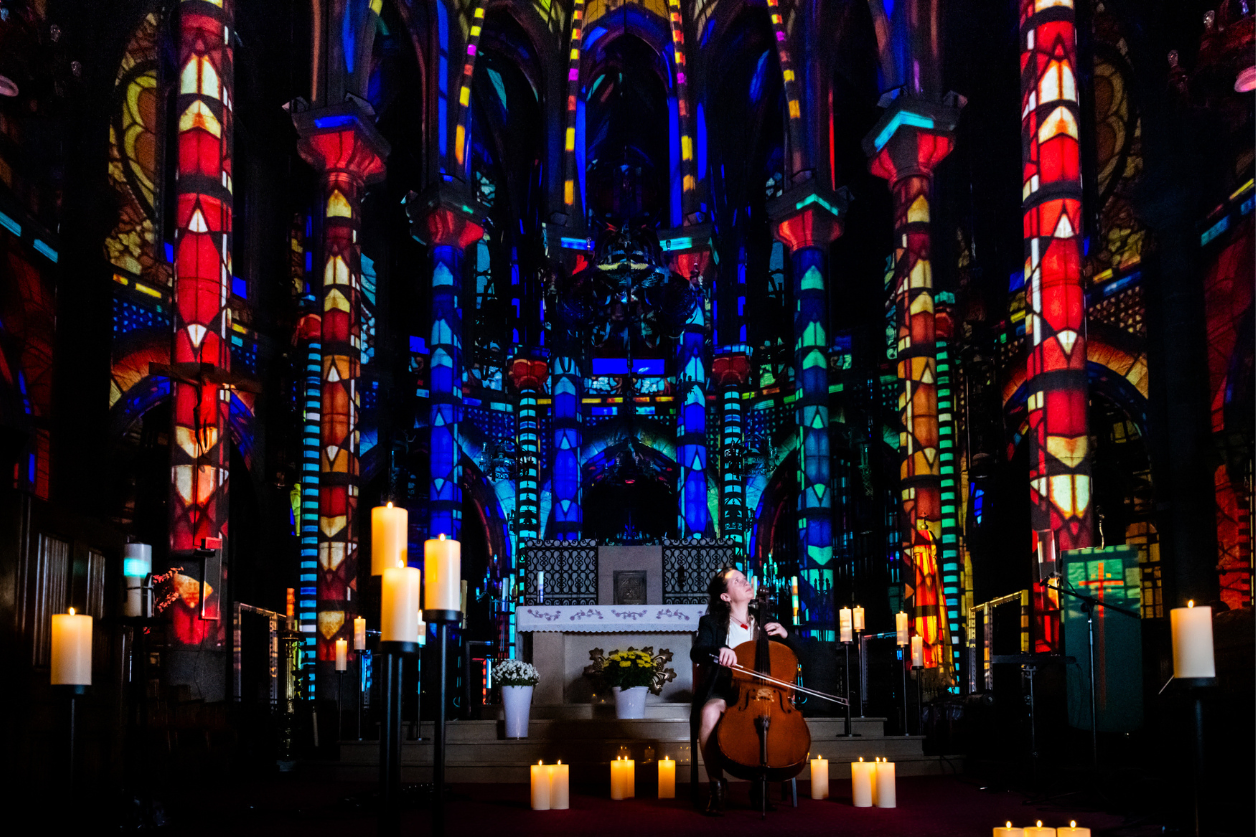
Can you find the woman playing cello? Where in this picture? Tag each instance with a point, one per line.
(727, 624)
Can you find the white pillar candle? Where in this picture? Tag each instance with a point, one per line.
(1009, 831)
(885, 790)
(540, 586)
(1072, 831)
(819, 778)
(667, 778)
(1039, 831)
(617, 778)
(1192, 641)
(858, 613)
(389, 548)
(844, 625)
(71, 649)
(861, 783)
(399, 604)
(359, 634)
(137, 562)
(917, 652)
(342, 655)
(560, 787)
(630, 778)
(900, 628)
(541, 781)
(442, 561)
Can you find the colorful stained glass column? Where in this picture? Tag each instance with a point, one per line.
(566, 386)
(905, 146)
(343, 145)
(1055, 299)
(447, 222)
(202, 320)
(527, 375)
(808, 219)
(730, 373)
(689, 254)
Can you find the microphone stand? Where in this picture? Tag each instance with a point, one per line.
(1088, 605)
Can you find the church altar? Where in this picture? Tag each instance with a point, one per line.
(561, 637)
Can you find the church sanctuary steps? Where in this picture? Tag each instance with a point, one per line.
(476, 753)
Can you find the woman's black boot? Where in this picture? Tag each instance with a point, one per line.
(715, 803)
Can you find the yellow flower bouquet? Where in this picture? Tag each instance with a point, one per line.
(631, 668)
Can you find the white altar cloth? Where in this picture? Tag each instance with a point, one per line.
(605, 619)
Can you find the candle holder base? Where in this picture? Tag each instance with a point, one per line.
(442, 616)
(402, 649)
(70, 689)
(1195, 682)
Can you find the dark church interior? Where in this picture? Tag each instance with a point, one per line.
(379, 378)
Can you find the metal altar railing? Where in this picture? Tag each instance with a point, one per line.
(569, 568)
(689, 566)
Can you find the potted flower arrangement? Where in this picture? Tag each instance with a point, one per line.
(517, 679)
(630, 674)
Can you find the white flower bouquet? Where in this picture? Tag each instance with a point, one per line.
(517, 673)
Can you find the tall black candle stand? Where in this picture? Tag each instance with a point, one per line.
(361, 670)
(1197, 687)
(73, 693)
(442, 619)
(919, 700)
(860, 669)
(903, 669)
(390, 736)
(340, 709)
(846, 686)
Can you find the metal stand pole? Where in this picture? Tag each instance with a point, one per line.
(859, 667)
(1197, 724)
(73, 693)
(920, 703)
(903, 669)
(340, 709)
(438, 734)
(1033, 732)
(73, 736)
(390, 737)
(846, 685)
(1094, 718)
(359, 690)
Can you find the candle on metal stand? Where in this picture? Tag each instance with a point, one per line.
(1192, 642)
(389, 547)
(667, 778)
(442, 560)
(819, 778)
(359, 633)
(342, 655)
(540, 586)
(861, 783)
(399, 604)
(917, 652)
(71, 649)
(901, 631)
(541, 780)
(844, 622)
(858, 613)
(560, 787)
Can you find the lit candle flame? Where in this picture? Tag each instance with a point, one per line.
(1009, 823)
(390, 504)
(440, 537)
(861, 758)
(1040, 823)
(1072, 823)
(71, 611)
(1190, 603)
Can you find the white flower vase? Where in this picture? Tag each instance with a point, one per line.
(517, 701)
(630, 703)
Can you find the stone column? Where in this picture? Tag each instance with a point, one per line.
(202, 282)
(808, 218)
(910, 139)
(343, 145)
(1055, 297)
(449, 222)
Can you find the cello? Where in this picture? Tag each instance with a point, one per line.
(763, 737)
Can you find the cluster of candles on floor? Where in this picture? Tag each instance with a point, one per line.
(1039, 831)
(871, 782)
(551, 788)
